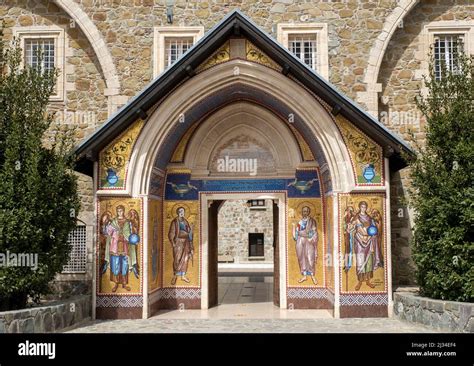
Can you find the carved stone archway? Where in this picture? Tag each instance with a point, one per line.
(301, 103)
(106, 62)
(248, 120)
(376, 54)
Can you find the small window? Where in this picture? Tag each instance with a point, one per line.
(447, 49)
(308, 42)
(256, 245)
(40, 50)
(257, 204)
(304, 47)
(78, 256)
(45, 45)
(170, 43)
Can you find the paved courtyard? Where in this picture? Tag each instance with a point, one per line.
(159, 325)
(245, 306)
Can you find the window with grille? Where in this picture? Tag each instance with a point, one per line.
(44, 47)
(304, 47)
(78, 257)
(447, 49)
(175, 47)
(170, 43)
(40, 50)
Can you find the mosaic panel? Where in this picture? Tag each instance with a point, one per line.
(305, 242)
(119, 301)
(178, 154)
(179, 186)
(154, 239)
(221, 55)
(120, 246)
(308, 293)
(181, 247)
(157, 181)
(366, 155)
(329, 242)
(256, 55)
(363, 299)
(306, 152)
(180, 293)
(114, 159)
(362, 242)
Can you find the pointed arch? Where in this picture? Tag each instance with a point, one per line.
(154, 138)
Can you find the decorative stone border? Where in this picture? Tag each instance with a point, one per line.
(442, 315)
(46, 319)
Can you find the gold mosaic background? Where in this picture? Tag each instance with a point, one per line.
(109, 205)
(155, 235)
(117, 155)
(295, 206)
(349, 279)
(192, 215)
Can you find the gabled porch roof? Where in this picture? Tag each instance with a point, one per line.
(237, 24)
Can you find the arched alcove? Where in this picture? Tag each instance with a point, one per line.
(213, 115)
(243, 125)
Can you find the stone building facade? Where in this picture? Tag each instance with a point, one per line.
(376, 52)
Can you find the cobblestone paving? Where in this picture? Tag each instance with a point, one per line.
(245, 306)
(371, 325)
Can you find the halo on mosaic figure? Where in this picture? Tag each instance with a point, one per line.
(189, 214)
(300, 206)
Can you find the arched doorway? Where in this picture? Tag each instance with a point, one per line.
(243, 150)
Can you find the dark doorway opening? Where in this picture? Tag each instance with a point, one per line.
(231, 283)
(256, 246)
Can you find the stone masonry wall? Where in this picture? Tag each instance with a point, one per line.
(46, 319)
(401, 78)
(448, 316)
(236, 220)
(127, 27)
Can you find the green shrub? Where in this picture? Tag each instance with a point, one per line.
(443, 190)
(38, 189)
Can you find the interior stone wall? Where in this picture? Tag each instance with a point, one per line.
(236, 220)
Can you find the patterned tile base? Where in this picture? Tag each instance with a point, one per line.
(309, 293)
(119, 301)
(180, 293)
(363, 299)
